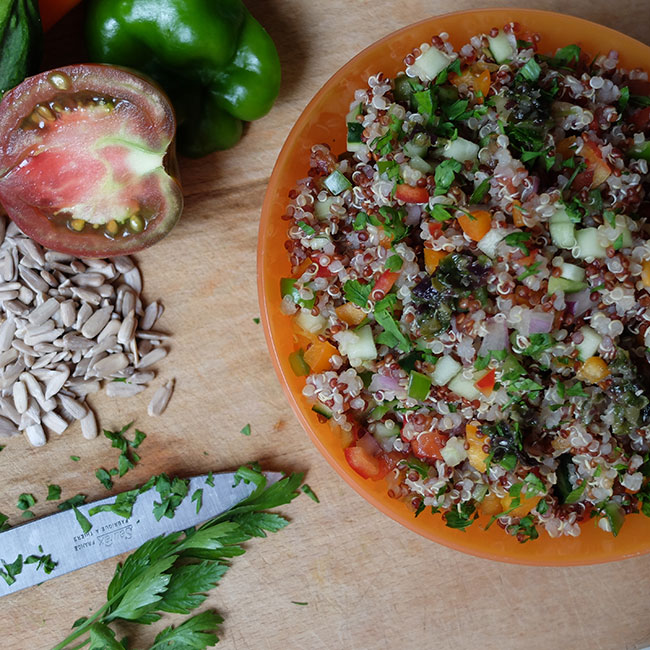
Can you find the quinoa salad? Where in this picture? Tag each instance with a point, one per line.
(470, 285)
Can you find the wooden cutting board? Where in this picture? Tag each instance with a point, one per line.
(369, 583)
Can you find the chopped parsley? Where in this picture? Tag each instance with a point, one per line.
(197, 496)
(394, 263)
(53, 492)
(246, 430)
(25, 501)
(445, 175)
(530, 270)
(480, 192)
(310, 493)
(358, 293)
(518, 240)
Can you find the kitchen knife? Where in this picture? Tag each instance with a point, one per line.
(60, 534)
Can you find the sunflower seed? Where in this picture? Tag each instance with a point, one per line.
(84, 313)
(76, 342)
(7, 331)
(55, 256)
(160, 399)
(150, 316)
(121, 389)
(83, 387)
(88, 279)
(76, 409)
(127, 329)
(56, 382)
(112, 328)
(7, 428)
(141, 377)
(21, 399)
(128, 302)
(8, 295)
(90, 296)
(35, 435)
(96, 323)
(8, 356)
(152, 336)
(123, 264)
(34, 280)
(151, 357)
(54, 422)
(9, 410)
(108, 366)
(39, 315)
(89, 425)
(68, 313)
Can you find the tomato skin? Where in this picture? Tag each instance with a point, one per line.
(142, 114)
(641, 119)
(385, 282)
(595, 164)
(486, 383)
(365, 464)
(411, 194)
(428, 445)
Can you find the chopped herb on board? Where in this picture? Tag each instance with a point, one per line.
(122, 506)
(53, 492)
(75, 458)
(82, 520)
(246, 430)
(104, 478)
(171, 494)
(172, 573)
(310, 493)
(197, 496)
(25, 501)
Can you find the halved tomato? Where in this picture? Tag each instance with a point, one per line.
(87, 162)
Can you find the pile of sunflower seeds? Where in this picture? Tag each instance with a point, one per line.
(67, 325)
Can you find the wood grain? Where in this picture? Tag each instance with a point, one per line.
(368, 582)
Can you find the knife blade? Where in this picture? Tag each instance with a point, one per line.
(60, 534)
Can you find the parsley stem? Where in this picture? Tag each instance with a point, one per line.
(83, 628)
(81, 645)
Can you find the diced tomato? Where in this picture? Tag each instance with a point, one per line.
(566, 147)
(318, 355)
(323, 271)
(477, 225)
(583, 180)
(434, 228)
(367, 459)
(427, 446)
(641, 119)
(486, 383)
(595, 163)
(529, 259)
(411, 194)
(386, 281)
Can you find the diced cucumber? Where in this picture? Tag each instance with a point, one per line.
(384, 435)
(318, 243)
(402, 88)
(446, 369)
(430, 64)
(418, 145)
(454, 452)
(322, 208)
(489, 242)
(309, 323)
(588, 244)
(358, 344)
(572, 272)
(288, 288)
(512, 367)
(354, 113)
(298, 363)
(421, 165)
(501, 47)
(419, 386)
(590, 343)
(640, 151)
(564, 284)
(464, 387)
(562, 229)
(623, 236)
(337, 182)
(321, 409)
(354, 141)
(460, 150)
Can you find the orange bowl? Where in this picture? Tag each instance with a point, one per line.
(323, 122)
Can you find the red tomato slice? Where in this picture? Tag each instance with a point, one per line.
(365, 464)
(427, 445)
(386, 281)
(87, 164)
(410, 194)
(486, 383)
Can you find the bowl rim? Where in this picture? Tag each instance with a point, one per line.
(504, 14)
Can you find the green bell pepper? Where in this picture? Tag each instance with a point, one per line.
(216, 62)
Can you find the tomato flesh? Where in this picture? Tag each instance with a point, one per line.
(428, 445)
(411, 194)
(87, 162)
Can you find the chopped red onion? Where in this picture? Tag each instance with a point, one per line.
(541, 322)
(578, 303)
(382, 382)
(496, 337)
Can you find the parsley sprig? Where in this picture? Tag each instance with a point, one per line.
(171, 573)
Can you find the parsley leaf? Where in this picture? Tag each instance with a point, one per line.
(122, 506)
(518, 240)
(445, 175)
(358, 293)
(104, 478)
(480, 192)
(246, 430)
(197, 496)
(310, 493)
(394, 263)
(461, 516)
(25, 501)
(530, 270)
(81, 520)
(53, 492)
